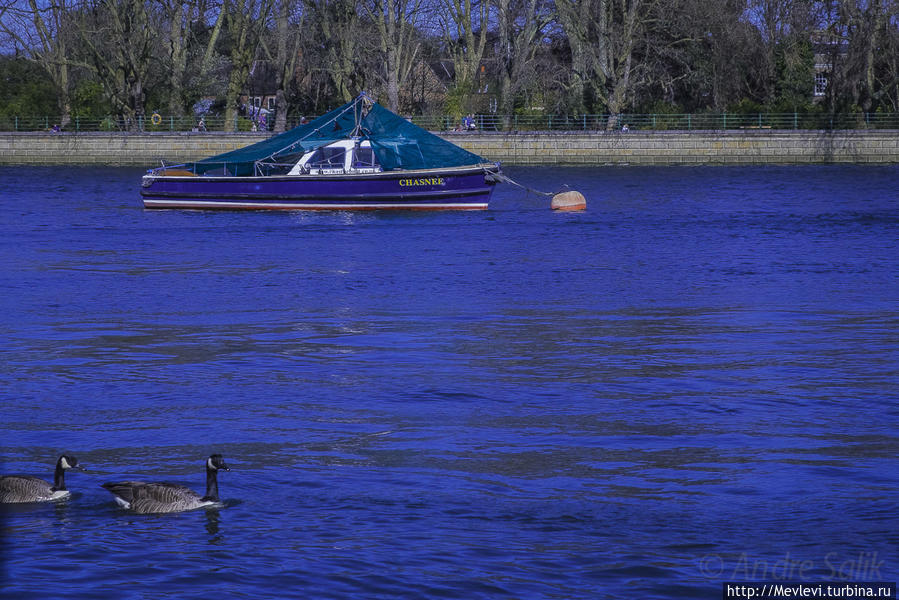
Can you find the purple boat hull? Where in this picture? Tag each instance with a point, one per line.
(454, 188)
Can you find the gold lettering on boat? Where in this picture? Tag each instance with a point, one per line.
(425, 181)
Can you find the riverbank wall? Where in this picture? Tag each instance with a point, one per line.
(729, 147)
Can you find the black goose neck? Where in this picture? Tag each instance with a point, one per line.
(212, 484)
(59, 478)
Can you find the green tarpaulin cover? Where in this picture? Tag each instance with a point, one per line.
(397, 143)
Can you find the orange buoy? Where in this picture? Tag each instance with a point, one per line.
(571, 200)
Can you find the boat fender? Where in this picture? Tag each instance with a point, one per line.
(156, 119)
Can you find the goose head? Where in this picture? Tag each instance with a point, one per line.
(67, 461)
(216, 463)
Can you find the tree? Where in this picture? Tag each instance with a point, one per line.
(287, 41)
(182, 21)
(520, 25)
(866, 25)
(398, 44)
(575, 17)
(887, 72)
(178, 16)
(40, 30)
(340, 30)
(726, 58)
(464, 24)
(786, 28)
(794, 66)
(27, 89)
(118, 43)
(244, 21)
(605, 38)
(563, 55)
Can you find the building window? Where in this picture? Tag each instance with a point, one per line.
(271, 104)
(257, 101)
(820, 83)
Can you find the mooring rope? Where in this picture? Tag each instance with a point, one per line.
(502, 177)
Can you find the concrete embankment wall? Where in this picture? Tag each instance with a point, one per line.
(690, 148)
(587, 148)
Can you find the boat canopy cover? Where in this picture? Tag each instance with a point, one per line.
(398, 143)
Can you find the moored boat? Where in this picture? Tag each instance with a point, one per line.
(359, 156)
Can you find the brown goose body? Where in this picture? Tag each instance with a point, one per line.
(164, 497)
(15, 489)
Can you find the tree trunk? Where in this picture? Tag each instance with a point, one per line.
(466, 42)
(178, 31)
(281, 107)
(213, 40)
(62, 86)
(393, 84)
(519, 24)
(244, 20)
(285, 60)
(339, 21)
(577, 18)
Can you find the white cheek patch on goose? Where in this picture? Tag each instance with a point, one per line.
(209, 464)
(65, 463)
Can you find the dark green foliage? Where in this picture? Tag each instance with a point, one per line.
(25, 89)
(740, 56)
(795, 72)
(88, 100)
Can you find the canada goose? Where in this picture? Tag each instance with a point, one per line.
(27, 488)
(165, 497)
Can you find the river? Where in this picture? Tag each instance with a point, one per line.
(693, 381)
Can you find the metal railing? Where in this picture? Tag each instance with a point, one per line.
(154, 123)
(490, 122)
(663, 122)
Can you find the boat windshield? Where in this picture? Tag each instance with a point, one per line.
(327, 158)
(364, 158)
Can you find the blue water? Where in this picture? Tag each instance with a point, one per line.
(693, 381)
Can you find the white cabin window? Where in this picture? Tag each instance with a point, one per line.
(364, 158)
(338, 158)
(327, 158)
